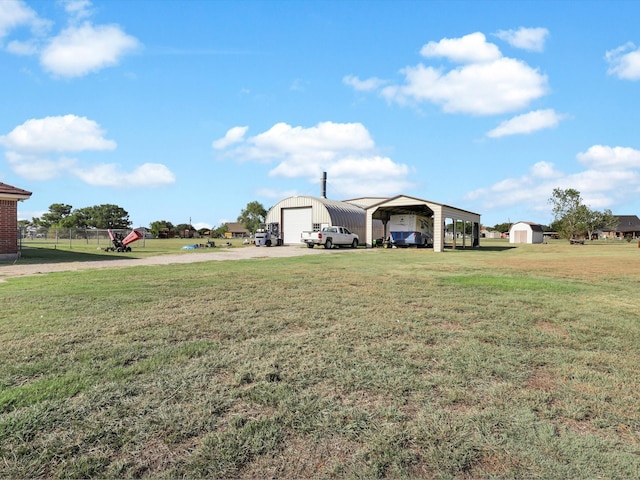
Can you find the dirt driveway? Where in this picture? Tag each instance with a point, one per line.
(16, 270)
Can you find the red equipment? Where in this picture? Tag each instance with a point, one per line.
(122, 244)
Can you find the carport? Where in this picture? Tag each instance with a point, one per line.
(452, 227)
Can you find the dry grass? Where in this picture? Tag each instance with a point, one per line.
(466, 364)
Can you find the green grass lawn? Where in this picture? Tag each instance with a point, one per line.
(495, 362)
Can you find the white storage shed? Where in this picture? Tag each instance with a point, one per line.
(526, 232)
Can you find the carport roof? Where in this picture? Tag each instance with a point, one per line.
(404, 204)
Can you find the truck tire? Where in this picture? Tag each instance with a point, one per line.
(328, 244)
(268, 243)
(310, 245)
(354, 244)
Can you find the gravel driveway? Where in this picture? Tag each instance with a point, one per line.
(221, 254)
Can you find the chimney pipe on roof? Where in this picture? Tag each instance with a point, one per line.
(324, 184)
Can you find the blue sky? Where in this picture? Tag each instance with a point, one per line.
(188, 110)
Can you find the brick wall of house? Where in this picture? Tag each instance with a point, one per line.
(8, 226)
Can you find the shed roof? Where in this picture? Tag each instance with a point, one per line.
(535, 227)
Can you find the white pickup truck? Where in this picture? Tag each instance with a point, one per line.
(330, 236)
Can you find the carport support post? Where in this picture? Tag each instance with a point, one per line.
(438, 230)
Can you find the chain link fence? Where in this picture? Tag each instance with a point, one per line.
(70, 236)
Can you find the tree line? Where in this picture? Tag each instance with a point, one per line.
(61, 215)
(572, 218)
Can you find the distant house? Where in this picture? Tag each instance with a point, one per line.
(484, 233)
(526, 232)
(9, 198)
(628, 225)
(236, 230)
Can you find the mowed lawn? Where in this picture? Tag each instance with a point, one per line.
(496, 362)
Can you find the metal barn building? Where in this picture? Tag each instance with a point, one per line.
(299, 214)
(526, 232)
(368, 217)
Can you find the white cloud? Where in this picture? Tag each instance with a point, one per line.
(371, 176)
(324, 141)
(37, 167)
(77, 51)
(611, 177)
(28, 47)
(201, 225)
(487, 88)
(531, 39)
(624, 62)
(544, 170)
(233, 135)
(486, 82)
(31, 145)
(472, 48)
(68, 133)
(77, 9)
(367, 85)
(602, 156)
(527, 123)
(15, 14)
(345, 150)
(110, 175)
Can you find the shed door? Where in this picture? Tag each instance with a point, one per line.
(294, 221)
(521, 236)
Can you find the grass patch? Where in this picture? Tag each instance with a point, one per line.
(502, 283)
(40, 251)
(396, 363)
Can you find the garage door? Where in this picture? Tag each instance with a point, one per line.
(294, 221)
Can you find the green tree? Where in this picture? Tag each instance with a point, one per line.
(102, 216)
(185, 230)
(600, 220)
(573, 218)
(252, 216)
(56, 214)
(221, 230)
(161, 227)
(502, 227)
(569, 213)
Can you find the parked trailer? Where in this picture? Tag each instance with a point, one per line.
(410, 231)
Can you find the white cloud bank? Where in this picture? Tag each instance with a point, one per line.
(77, 50)
(30, 146)
(345, 151)
(624, 62)
(611, 175)
(482, 80)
